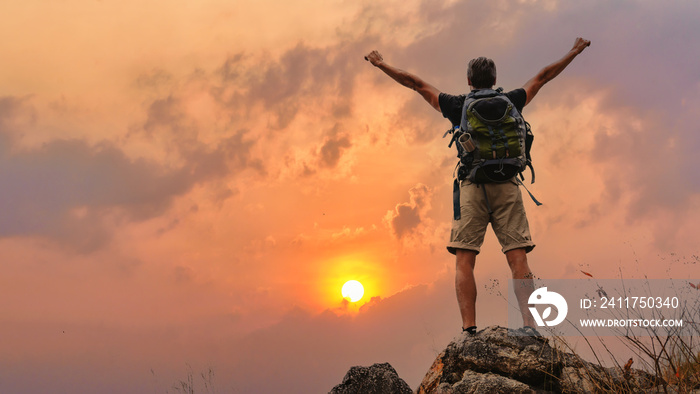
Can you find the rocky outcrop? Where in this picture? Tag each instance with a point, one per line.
(377, 379)
(497, 361)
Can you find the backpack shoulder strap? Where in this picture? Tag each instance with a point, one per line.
(464, 125)
(473, 96)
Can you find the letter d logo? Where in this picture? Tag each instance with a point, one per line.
(543, 297)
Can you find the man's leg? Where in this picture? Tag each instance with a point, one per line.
(465, 286)
(517, 260)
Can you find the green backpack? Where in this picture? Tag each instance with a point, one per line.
(493, 139)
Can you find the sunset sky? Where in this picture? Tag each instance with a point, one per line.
(186, 185)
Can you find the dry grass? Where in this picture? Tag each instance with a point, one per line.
(673, 360)
(190, 385)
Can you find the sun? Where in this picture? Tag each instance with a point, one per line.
(353, 290)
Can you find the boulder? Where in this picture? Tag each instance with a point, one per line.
(498, 361)
(377, 379)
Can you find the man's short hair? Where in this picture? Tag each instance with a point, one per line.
(482, 73)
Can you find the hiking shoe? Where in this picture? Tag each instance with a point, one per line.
(530, 331)
(470, 330)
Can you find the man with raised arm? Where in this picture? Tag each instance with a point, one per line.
(500, 203)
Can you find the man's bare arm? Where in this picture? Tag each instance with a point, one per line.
(548, 73)
(428, 91)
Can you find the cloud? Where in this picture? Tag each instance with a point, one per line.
(645, 165)
(164, 112)
(301, 78)
(296, 108)
(66, 188)
(406, 218)
(332, 149)
(77, 193)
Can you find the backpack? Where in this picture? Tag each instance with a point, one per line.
(493, 139)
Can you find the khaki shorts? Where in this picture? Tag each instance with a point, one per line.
(508, 219)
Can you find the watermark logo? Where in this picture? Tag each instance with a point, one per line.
(543, 297)
(605, 307)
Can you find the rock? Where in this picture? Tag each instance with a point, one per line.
(474, 382)
(498, 361)
(377, 379)
(494, 361)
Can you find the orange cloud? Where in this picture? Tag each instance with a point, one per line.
(406, 218)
